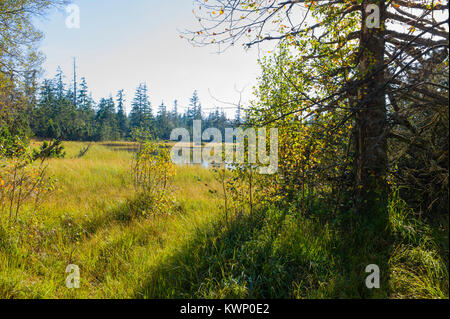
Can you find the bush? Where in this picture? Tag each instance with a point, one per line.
(21, 181)
(55, 152)
(152, 169)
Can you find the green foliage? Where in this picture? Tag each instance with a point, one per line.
(315, 148)
(275, 253)
(419, 260)
(20, 63)
(188, 250)
(141, 116)
(301, 233)
(22, 182)
(54, 115)
(56, 152)
(152, 171)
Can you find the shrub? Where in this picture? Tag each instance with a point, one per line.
(55, 152)
(22, 181)
(152, 169)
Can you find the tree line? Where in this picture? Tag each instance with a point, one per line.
(70, 113)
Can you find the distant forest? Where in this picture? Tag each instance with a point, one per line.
(68, 112)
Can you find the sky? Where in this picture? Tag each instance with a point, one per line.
(121, 43)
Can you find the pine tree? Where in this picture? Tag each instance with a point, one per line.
(195, 107)
(86, 113)
(42, 124)
(60, 86)
(122, 120)
(162, 121)
(141, 116)
(107, 128)
(238, 118)
(146, 107)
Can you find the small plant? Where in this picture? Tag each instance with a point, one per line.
(22, 181)
(222, 176)
(51, 150)
(152, 169)
(84, 151)
(139, 135)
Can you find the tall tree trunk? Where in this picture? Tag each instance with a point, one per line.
(370, 129)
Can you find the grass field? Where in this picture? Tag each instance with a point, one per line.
(86, 222)
(190, 252)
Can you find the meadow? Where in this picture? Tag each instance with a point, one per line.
(86, 222)
(125, 250)
(350, 99)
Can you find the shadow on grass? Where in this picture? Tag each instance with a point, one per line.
(124, 213)
(363, 240)
(257, 256)
(201, 264)
(273, 254)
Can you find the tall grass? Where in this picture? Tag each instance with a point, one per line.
(192, 252)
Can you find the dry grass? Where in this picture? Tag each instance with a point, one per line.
(86, 222)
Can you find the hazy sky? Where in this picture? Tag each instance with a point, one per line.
(121, 43)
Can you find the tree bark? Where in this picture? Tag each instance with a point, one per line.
(371, 122)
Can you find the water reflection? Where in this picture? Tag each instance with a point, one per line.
(133, 148)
